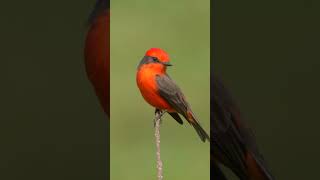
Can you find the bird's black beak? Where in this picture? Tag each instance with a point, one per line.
(167, 63)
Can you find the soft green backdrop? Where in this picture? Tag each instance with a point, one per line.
(182, 29)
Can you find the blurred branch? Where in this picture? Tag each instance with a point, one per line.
(157, 123)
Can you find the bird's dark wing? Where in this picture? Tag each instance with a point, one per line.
(169, 91)
(233, 144)
(176, 117)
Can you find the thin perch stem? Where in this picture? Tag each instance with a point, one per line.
(157, 123)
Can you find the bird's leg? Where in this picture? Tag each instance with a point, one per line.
(158, 114)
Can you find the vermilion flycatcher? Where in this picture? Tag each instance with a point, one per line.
(159, 90)
(97, 53)
(233, 143)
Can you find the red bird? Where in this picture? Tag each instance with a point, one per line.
(159, 90)
(97, 54)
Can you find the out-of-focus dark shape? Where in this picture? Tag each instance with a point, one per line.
(232, 142)
(97, 52)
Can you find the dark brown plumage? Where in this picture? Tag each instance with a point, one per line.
(169, 91)
(233, 143)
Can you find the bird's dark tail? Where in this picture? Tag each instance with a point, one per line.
(201, 132)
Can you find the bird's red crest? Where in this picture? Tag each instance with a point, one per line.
(159, 53)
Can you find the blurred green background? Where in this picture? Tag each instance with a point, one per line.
(182, 29)
(51, 123)
(267, 52)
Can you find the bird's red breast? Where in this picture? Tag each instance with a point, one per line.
(146, 81)
(97, 60)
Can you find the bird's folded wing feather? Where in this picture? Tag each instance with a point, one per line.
(231, 139)
(168, 90)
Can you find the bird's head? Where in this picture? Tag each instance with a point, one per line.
(155, 59)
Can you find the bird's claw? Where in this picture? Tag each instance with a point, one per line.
(158, 114)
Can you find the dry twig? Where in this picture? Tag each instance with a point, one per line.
(157, 123)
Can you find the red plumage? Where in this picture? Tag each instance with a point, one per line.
(97, 57)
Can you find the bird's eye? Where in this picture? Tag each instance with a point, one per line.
(155, 59)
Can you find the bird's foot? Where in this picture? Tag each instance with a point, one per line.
(158, 114)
